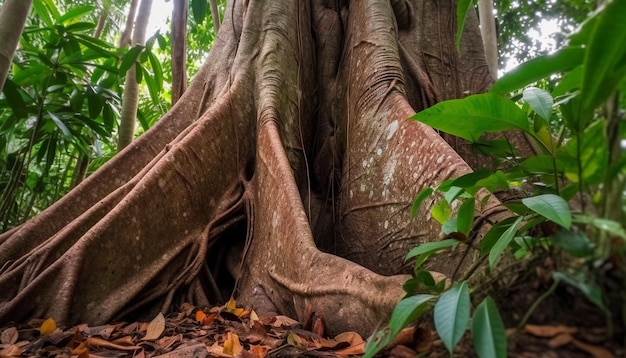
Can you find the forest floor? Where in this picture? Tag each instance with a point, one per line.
(565, 324)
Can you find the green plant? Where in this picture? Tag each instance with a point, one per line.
(573, 187)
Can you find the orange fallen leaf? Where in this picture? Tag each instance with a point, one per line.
(355, 349)
(9, 336)
(124, 341)
(11, 351)
(156, 328)
(82, 351)
(48, 326)
(231, 306)
(259, 351)
(548, 331)
(232, 345)
(560, 340)
(595, 351)
(99, 342)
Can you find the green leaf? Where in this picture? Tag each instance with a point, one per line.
(610, 226)
(441, 212)
(591, 291)
(605, 59)
(40, 9)
(538, 68)
(199, 9)
(451, 314)
(60, 124)
(471, 117)
(488, 330)
(407, 311)
(540, 101)
(551, 207)
(425, 193)
(429, 248)
(74, 13)
(462, 8)
(130, 58)
(575, 242)
(157, 70)
(14, 99)
(465, 218)
(502, 243)
(469, 180)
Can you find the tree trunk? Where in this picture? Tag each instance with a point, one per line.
(13, 15)
(489, 35)
(179, 48)
(292, 137)
(215, 16)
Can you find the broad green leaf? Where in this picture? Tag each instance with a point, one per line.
(540, 101)
(538, 164)
(156, 70)
(575, 242)
(441, 212)
(605, 59)
(429, 247)
(569, 82)
(407, 311)
(471, 117)
(462, 8)
(151, 84)
(588, 148)
(199, 9)
(95, 103)
(488, 331)
(538, 68)
(502, 243)
(451, 314)
(452, 193)
(492, 236)
(60, 124)
(551, 207)
(130, 58)
(494, 182)
(470, 179)
(425, 193)
(80, 26)
(465, 217)
(610, 226)
(590, 290)
(74, 13)
(40, 9)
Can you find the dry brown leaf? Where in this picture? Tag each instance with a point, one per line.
(351, 338)
(259, 351)
(11, 351)
(355, 349)
(284, 322)
(9, 336)
(595, 351)
(231, 345)
(99, 342)
(217, 351)
(560, 340)
(156, 328)
(124, 341)
(82, 351)
(167, 342)
(548, 331)
(48, 326)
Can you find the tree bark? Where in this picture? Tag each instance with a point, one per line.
(130, 98)
(215, 16)
(13, 15)
(489, 35)
(179, 48)
(292, 137)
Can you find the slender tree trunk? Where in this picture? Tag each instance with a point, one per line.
(179, 48)
(128, 27)
(100, 25)
(489, 35)
(130, 98)
(215, 15)
(13, 15)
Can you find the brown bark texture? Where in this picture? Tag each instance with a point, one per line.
(285, 172)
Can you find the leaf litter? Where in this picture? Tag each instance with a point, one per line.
(226, 331)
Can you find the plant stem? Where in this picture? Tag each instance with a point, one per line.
(535, 304)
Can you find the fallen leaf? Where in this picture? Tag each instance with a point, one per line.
(9, 336)
(560, 340)
(231, 306)
(11, 351)
(169, 341)
(200, 315)
(231, 345)
(124, 341)
(48, 326)
(99, 342)
(156, 328)
(82, 351)
(217, 351)
(351, 338)
(548, 331)
(285, 322)
(355, 349)
(259, 351)
(595, 351)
